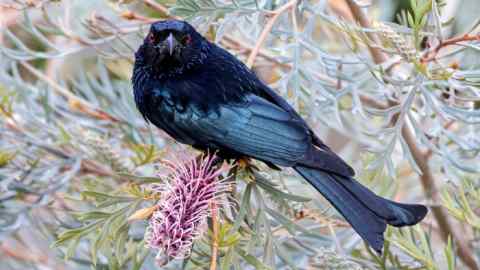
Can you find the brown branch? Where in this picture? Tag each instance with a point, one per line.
(22, 253)
(213, 259)
(432, 54)
(362, 19)
(233, 43)
(130, 15)
(158, 7)
(421, 157)
(431, 191)
(266, 31)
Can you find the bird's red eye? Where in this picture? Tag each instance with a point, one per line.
(187, 39)
(151, 37)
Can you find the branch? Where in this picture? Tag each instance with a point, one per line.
(432, 54)
(158, 7)
(361, 17)
(213, 259)
(420, 157)
(22, 253)
(266, 31)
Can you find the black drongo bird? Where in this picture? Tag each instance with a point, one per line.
(203, 96)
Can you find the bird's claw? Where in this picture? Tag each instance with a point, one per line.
(243, 163)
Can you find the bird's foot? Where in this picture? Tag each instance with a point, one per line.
(246, 168)
(243, 163)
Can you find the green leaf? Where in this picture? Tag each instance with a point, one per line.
(144, 154)
(98, 195)
(268, 250)
(268, 187)
(91, 215)
(411, 21)
(285, 256)
(291, 226)
(120, 242)
(425, 8)
(423, 22)
(137, 256)
(413, 4)
(450, 254)
(105, 200)
(97, 242)
(243, 208)
(420, 252)
(5, 158)
(141, 179)
(226, 237)
(65, 137)
(252, 260)
(71, 248)
(226, 260)
(74, 233)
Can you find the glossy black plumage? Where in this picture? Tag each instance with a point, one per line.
(203, 96)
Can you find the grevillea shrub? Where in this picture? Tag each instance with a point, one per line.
(392, 86)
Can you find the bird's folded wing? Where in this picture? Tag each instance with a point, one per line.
(256, 128)
(259, 129)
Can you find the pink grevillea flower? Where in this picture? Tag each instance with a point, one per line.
(184, 206)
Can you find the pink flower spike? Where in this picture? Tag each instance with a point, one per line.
(184, 206)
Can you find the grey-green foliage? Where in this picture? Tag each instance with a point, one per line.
(64, 77)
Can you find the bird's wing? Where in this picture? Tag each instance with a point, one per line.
(259, 129)
(323, 153)
(266, 92)
(255, 128)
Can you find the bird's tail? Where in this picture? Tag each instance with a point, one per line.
(366, 212)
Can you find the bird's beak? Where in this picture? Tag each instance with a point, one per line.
(171, 43)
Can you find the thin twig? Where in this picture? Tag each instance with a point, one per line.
(29, 256)
(420, 157)
(130, 15)
(213, 260)
(267, 30)
(158, 7)
(361, 17)
(432, 54)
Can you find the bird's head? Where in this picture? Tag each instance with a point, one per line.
(171, 47)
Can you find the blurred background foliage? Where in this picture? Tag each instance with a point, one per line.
(393, 86)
